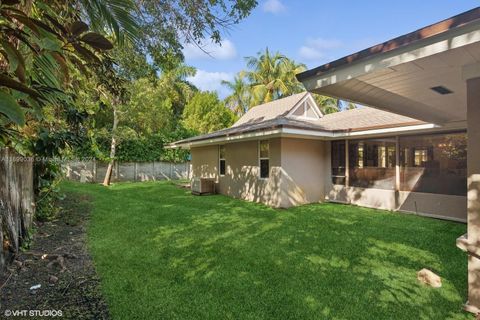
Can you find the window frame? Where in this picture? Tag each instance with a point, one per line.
(338, 145)
(220, 159)
(260, 158)
(423, 156)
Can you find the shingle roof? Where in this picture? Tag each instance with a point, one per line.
(363, 118)
(270, 110)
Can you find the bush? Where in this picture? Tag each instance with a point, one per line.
(141, 149)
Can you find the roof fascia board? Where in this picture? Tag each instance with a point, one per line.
(448, 40)
(325, 135)
(246, 136)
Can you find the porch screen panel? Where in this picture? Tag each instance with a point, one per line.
(338, 162)
(434, 163)
(372, 163)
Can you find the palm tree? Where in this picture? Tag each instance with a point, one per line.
(290, 70)
(174, 84)
(331, 105)
(272, 76)
(239, 99)
(326, 104)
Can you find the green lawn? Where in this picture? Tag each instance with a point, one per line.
(164, 254)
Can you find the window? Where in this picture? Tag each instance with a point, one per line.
(338, 162)
(305, 110)
(421, 157)
(372, 163)
(221, 156)
(435, 163)
(264, 158)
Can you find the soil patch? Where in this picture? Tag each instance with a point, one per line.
(58, 262)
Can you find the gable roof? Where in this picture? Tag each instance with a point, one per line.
(271, 110)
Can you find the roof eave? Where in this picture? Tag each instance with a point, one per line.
(442, 27)
(288, 130)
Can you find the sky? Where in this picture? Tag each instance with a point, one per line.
(313, 32)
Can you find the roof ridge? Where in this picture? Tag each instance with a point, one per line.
(276, 100)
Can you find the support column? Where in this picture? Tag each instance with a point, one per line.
(347, 166)
(397, 163)
(473, 197)
(397, 173)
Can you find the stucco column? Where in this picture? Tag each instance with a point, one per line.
(397, 163)
(473, 206)
(347, 165)
(397, 172)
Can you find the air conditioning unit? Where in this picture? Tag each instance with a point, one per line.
(203, 186)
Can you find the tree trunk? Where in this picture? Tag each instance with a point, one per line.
(108, 174)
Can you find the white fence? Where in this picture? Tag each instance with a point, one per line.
(94, 171)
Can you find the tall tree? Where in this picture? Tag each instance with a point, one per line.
(175, 85)
(331, 105)
(167, 25)
(149, 109)
(205, 113)
(240, 97)
(272, 76)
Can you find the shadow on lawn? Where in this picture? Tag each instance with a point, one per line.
(227, 258)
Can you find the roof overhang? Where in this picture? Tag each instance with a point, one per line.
(398, 75)
(299, 133)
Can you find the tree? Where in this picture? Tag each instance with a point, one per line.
(167, 25)
(41, 40)
(326, 104)
(174, 84)
(149, 109)
(46, 48)
(205, 113)
(239, 99)
(132, 65)
(331, 105)
(272, 76)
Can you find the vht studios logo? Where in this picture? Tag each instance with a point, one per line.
(33, 313)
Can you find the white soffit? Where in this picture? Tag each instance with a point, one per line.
(400, 81)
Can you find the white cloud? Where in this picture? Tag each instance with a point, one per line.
(224, 51)
(316, 48)
(211, 81)
(274, 6)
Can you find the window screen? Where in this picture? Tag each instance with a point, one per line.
(338, 162)
(372, 163)
(222, 164)
(434, 163)
(264, 158)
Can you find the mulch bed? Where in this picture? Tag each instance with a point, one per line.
(59, 262)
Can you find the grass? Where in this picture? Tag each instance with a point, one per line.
(164, 254)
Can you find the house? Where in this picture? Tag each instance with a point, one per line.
(286, 153)
(431, 74)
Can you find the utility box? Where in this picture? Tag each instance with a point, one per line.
(203, 186)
